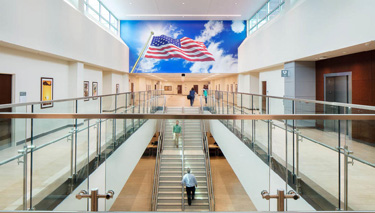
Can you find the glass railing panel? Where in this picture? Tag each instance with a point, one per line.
(361, 185)
(259, 105)
(53, 165)
(46, 130)
(11, 166)
(13, 132)
(260, 144)
(316, 156)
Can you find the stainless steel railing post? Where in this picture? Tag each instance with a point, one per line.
(24, 152)
(280, 197)
(94, 196)
(298, 178)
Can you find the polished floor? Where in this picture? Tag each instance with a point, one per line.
(137, 192)
(182, 101)
(229, 193)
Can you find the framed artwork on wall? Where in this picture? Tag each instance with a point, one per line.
(117, 88)
(46, 92)
(86, 86)
(167, 88)
(94, 89)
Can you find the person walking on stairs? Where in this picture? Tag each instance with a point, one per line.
(176, 133)
(190, 182)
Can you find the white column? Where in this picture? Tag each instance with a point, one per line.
(76, 73)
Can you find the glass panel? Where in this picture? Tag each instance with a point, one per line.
(105, 23)
(11, 170)
(53, 167)
(93, 14)
(263, 12)
(104, 13)
(314, 160)
(113, 21)
(361, 186)
(94, 4)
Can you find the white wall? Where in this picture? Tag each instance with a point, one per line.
(251, 171)
(310, 27)
(186, 87)
(114, 172)
(56, 28)
(275, 87)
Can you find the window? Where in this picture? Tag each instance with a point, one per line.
(267, 12)
(97, 11)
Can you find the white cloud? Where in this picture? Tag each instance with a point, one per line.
(212, 28)
(148, 65)
(238, 26)
(223, 63)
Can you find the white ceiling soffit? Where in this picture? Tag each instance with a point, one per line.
(183, 9)
(189, 77)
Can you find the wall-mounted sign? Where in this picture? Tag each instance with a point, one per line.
(284, 73)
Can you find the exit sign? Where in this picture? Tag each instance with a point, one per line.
(284, 73)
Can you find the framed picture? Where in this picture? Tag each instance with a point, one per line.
(167, 88)
(86, 89)
(117, 88)
(46, 92)
(94, 89)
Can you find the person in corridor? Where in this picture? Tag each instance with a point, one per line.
(192, 96)
(190, 182)
(205, 95)
(176, 133)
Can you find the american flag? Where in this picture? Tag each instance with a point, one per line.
(164, 47)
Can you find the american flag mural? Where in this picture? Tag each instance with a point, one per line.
(164, 47)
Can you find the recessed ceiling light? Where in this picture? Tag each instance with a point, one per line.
(130, 3)
(344, 52)
(235, 3)
(183, 2)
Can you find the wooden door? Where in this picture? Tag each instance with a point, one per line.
(264, 92)
(5, 98)
(179, 89)
(196, 88)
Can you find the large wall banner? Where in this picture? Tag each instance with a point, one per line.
(184, 46)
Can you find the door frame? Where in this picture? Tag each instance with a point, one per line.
(349, 74)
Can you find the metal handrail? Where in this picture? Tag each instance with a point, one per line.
(183, 162)
(2, 106)
(358, 117)
(155, 190)
(364, 107)
(211, 195)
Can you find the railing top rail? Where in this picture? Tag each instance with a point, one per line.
(2, 106)
(364, 107)
(189, 116)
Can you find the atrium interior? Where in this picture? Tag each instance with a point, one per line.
(187, 105)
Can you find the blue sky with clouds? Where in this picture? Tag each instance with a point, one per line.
(222, 39)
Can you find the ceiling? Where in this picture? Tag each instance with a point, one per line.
(183, 9)
(189, 77)
(341, 52)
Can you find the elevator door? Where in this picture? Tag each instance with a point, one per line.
(337, 90)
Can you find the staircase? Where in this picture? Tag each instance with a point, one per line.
(175, 161)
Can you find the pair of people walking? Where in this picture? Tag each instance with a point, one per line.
(189, 179)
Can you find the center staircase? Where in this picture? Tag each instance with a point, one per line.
(174, 162)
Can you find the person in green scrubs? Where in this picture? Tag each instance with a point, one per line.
(176, 133)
